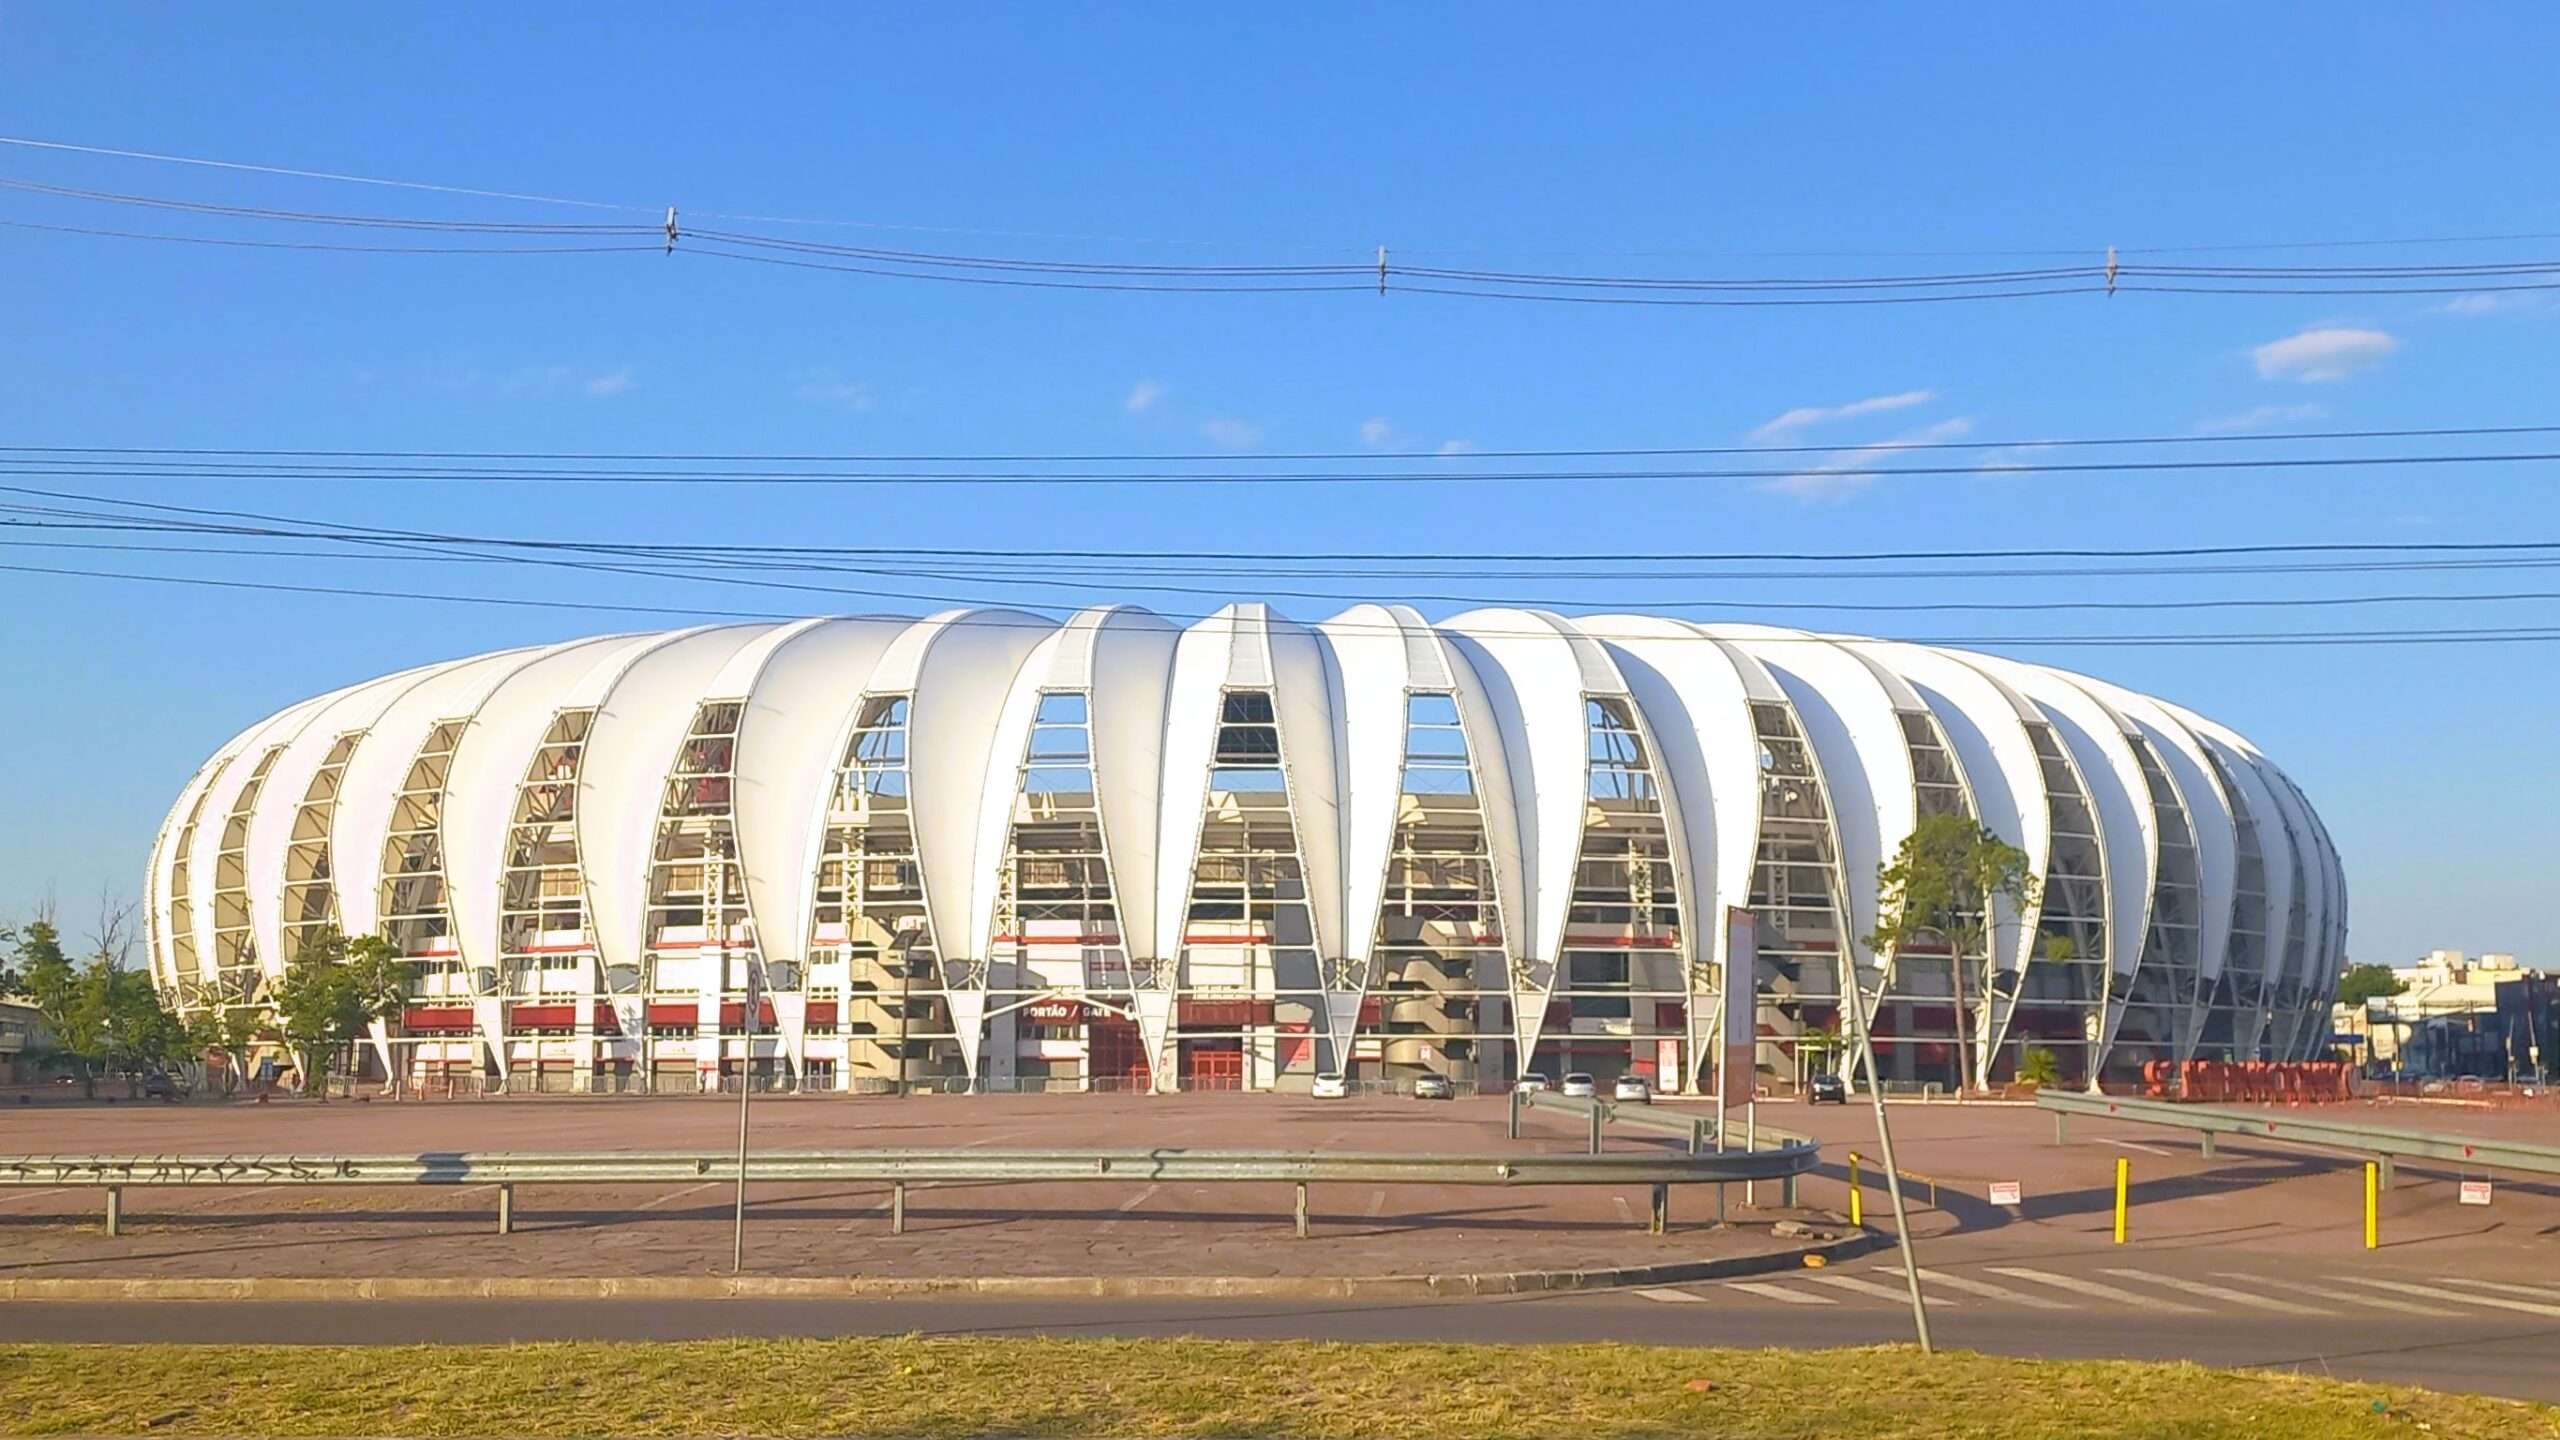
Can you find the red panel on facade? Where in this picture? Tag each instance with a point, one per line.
(607, 1023)
(437, 1018)
(822, 1012)
(1225, 1014)
(673, 1014)
(546, 1016)
(734, 1013)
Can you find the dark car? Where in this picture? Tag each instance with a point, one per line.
(158, 1086)
(1827, 1089)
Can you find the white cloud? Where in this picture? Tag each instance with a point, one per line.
(1231, 433)
(1376, 433)
(1804, 415)
(2493, 304)
(1840, 474)
(2262, 417)
(2324, 353)
(1457, 447)
(560, 380)
(827, 389)
(1143, 396)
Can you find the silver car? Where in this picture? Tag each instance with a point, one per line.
(1580, 1086)
(1434, 1087)
(1632, 1089)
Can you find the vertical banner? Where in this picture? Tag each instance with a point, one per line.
(1740, 1057)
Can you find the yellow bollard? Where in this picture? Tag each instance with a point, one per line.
(1857, 1205)
(2124, 1169)
(2372, 1206)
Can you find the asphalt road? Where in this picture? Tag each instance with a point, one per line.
(2252, 1258)
(2400, 1326)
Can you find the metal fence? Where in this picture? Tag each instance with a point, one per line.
(2315, 1129)
(899, 1168)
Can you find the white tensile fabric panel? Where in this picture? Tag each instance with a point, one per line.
(996, 797)
(737, 679)
(622, 779)
(1369, 645)
(1534, 680)
(221, 798)
(374, 773)
(1984, 721)
(1307, 702)
(1849, 719)
(1697, 709)
(280, 799)
(480, 788)
(2209, 818)
(2275, 850)
(964, 664)
(164, 860)
(2094, 736)
(790, 740)
(1130, 672)
(1498, 801)
(1200, 666)
(2297, 851)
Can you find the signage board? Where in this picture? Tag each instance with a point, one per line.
(2475, 1192)
(1741, 1009)
(2005, 1192)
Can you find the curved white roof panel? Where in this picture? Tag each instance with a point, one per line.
(1521, 681)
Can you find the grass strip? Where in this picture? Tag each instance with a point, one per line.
(1131, 1389)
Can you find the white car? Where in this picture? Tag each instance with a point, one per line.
(1580, 1086)
(1532, 1082)
(1330, 1086)
(1433, 1087)
(1632, 1089)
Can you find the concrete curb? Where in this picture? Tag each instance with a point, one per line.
(859, 1287)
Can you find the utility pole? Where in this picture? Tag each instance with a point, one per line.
(746, 1069)
(1884, 1141)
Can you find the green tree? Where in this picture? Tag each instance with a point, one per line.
(1940, 887)
(2369, 982)
(331, 992)
(100, 1017)
(2038, 1066)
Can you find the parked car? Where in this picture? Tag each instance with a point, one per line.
(1827, 1089)
(158, 1086)
(1330, 1086)
(1434, 1087)
(1580, 1086)
(1632, 1089)
(1532, 1081)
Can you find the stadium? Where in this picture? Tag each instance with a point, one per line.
(989, 849)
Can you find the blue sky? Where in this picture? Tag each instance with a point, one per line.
(1661, 140)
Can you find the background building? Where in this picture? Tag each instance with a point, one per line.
(2481, 1015)
(991, 848)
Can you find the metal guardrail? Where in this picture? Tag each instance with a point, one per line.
(899, 1168)
(1698, 1131)
(2382, 1143)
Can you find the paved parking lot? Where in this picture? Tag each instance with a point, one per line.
(1110, 1228)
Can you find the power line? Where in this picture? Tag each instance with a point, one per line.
(1193, 457)
(1844, 469)
(1093, 582)
(2510, 634)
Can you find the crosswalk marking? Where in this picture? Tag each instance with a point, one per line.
(2222, 1292)
(2147, 1149)
(2090, 1287)
(1673, 1297)
(2410, 1307)
(2535, 1292)
(2496, 1301)
(1776, 1292)
(1866, 1287)
(1990, 1291)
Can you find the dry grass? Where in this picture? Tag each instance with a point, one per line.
(1289, 1390)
